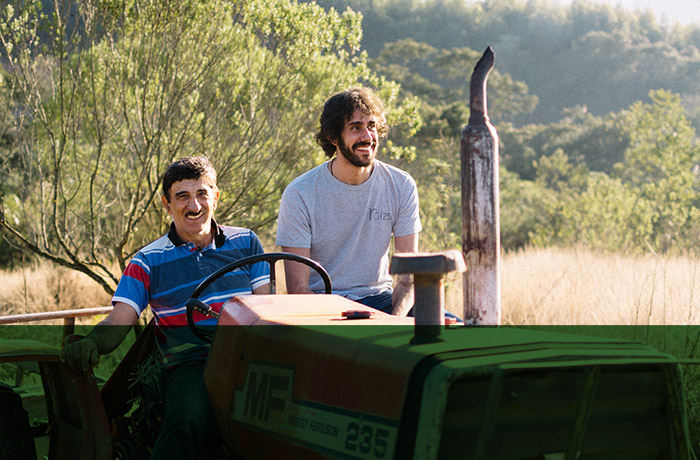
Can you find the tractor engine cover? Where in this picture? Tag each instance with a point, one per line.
(296, 377)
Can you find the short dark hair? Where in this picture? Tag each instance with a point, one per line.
(188, 168)
(339, 108)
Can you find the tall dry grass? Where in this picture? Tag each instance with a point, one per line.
(578, 286)
(584, 287)
(563, 286)
(48, 288)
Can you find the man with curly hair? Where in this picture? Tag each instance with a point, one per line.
(344, 213)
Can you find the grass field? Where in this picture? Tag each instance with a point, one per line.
(576, 286)
(48, 288)
(580, 287)
(538, 287)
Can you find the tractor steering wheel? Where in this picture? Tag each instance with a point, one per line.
(195, 304)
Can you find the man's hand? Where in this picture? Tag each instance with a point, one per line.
(81, 354)
(104, 338)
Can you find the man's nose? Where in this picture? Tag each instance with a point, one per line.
(194, 204)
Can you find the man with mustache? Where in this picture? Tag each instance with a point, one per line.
(163, 275)
(344, 212)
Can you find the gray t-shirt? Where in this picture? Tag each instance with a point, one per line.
(349, 227)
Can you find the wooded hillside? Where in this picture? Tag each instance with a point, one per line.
(587, 54)
(595, 107)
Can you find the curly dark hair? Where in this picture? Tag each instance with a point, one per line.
(188, 168)
(339, 108)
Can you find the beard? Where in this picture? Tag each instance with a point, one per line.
(355, 160)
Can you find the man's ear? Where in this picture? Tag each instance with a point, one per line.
(166, 204)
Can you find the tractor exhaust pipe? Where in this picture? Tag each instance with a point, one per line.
(480, 214)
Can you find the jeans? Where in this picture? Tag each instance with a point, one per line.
(378, 301)
(188, 415)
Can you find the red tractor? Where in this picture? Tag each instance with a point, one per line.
(313, 377)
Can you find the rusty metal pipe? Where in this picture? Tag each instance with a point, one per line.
(480, 201)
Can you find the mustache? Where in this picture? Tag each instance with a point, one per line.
(362, 144)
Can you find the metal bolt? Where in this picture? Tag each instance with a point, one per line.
(428, 270)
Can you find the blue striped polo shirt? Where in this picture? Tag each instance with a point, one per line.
(166, 272)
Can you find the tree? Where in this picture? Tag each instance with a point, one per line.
(106, 94)
(658, 165)
(648, 201)
(599, 216)
(596, 142)
(556, 172)
(520, 209)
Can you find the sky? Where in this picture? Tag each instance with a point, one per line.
(667, 11)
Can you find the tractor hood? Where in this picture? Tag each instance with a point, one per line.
(292, 377)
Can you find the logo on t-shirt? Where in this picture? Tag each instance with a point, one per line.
(376, 214)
